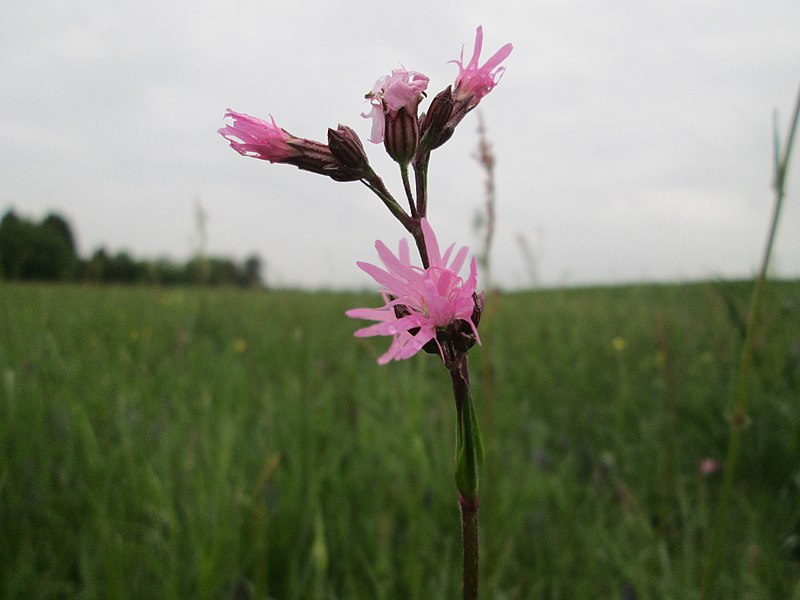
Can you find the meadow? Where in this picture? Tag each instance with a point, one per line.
(228, 444)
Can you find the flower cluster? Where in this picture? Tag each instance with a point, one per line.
(395, 98)
(394, 102)
(431, 308)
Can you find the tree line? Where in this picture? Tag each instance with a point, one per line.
(46, 251)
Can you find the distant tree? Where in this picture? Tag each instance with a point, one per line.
(222, 271)
(195, 271)
(11, 245)
(213, 271)
(47, 251)
(164, 272)
(60, 227)
(122, 268)
(95, 268)
(43, 251)
(252, 272)
(9, 218)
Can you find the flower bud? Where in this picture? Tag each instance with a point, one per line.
(317, 157)
(433, 128)
(462, 333)
(346, 146)
(401, 135)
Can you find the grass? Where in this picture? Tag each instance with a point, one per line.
(168, 443)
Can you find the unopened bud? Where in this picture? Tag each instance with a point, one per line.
(433, 128)
(347, 147)
(317, 157)
(401, 135)
(479, 300)
(457, 113)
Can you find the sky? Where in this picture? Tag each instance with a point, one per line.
(633, 140)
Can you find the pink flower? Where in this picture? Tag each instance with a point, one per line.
(418, 302)
(709, 466)
(251, 136)
(343, 159)
(473, 83)
(401, 89)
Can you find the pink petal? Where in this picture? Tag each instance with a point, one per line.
(497, 57)
(394, 265)
(472, 281)
(371, 314)
(394, 285)
(378, 122)
(431, 245)
(447, 253)
(404, 255)
(458, 261)
(394, 326)
(476, 53)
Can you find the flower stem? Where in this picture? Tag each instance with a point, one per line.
(421, 178)
(469, 461)
(469, 540)
(739, 410)
(407, 187)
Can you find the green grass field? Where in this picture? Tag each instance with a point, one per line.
(204, 444)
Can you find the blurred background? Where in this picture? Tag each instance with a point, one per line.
(633, 140)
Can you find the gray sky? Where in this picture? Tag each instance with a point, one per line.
(633, 139)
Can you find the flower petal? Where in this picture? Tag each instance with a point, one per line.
(458, 261)
(431, 245)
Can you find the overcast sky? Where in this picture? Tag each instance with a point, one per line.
(633, 139)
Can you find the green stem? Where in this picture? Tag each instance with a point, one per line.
(469, 461)
(739, 411)
(469, 541)
(407, 188)
(421, 178)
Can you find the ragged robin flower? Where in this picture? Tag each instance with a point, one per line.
(474, 82)
(394, 100)
(254, 137)
(251, 136)
(423, 307)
